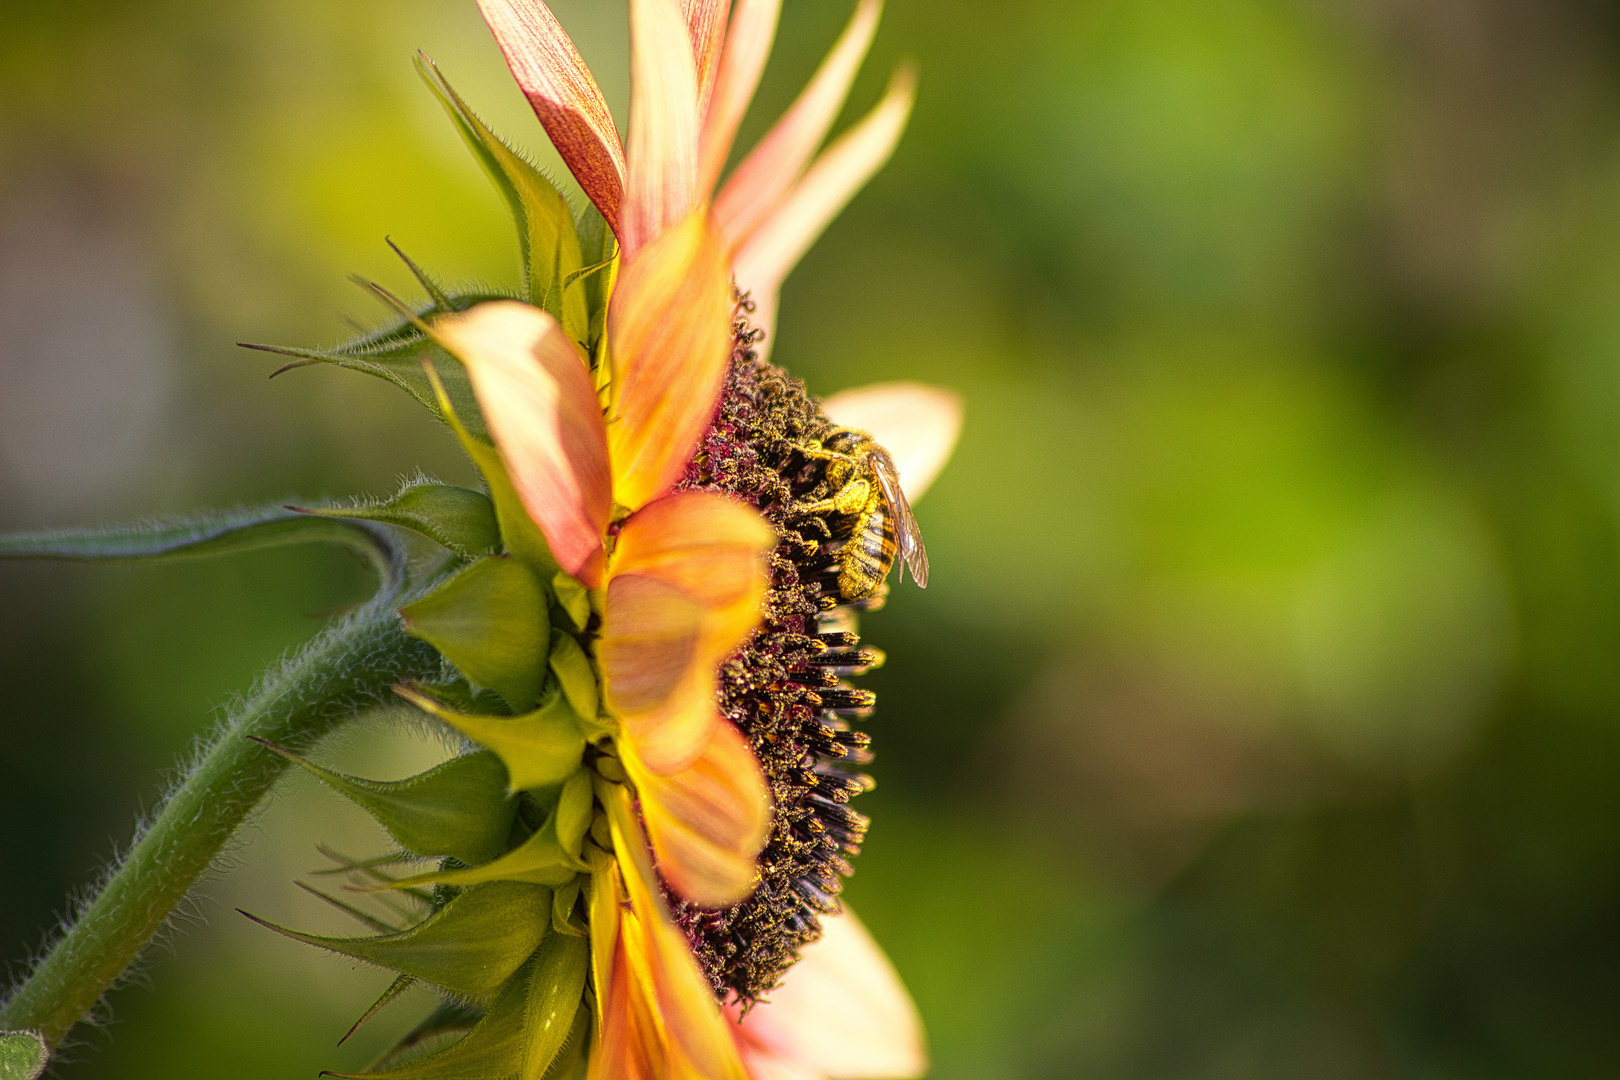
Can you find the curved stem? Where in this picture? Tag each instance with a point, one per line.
(351, 665)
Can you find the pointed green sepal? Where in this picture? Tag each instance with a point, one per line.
(470, 946)
(460, 808)
(451, 1016)
(539, 860)
(522, 537)
(556, 990)
(574, 674)
(572, 597)
(491, 621)
(395, 351)
(573, 813)
(23, 1055)
(491, 1050)
(365, 918)
(563, 902)
(539, 749)
(547, 238)
(227, 533)
(395, 988)
(453, 517)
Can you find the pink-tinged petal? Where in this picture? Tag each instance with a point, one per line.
(827, 186)
(669, 335)
(687, 579)
(661, 176)
(748, 44)
(706, 24)
(708, 821)
(680, 1032)
(840, 1013)
(769, 172)
(564, 96)
(537, 398)
(917, 424)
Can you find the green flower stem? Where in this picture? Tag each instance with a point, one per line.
(350, 666)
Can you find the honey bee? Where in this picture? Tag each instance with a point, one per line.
(866, 485)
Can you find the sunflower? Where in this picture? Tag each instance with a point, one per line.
(678, 766)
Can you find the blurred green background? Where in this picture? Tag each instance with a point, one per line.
(1263, 719)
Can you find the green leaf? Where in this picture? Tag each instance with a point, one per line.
(522, 537)
(23, 1055)
(470, 946)
(453, 517)
(491, 620)
(539, 749)
(492, 1050)
(547, 238)
(460, 808)
(228, 532)
(556, 990)
(539, 860)
(395, 352)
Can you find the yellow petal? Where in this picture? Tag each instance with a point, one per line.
(661, 173)
(776, 246)
(564, 96)
(706, 23)
(840, 1013)
(669, 330)
(540, 407)
(917, 424)
(660, 1016)
(748, 44)
(769, 172)
(708, 821)
(685, 587)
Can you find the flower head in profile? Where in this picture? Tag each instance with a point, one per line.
(704, 533)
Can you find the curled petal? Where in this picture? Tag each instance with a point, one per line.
(669, 333)
(840, 1013)
(537, 399)
(769, 172)
(661, 182)
(660, 1019)
(706, 23)
(563, 95)
(917, 424)
(748, 44)
(708, 821)
(687, 579)
(778, 244)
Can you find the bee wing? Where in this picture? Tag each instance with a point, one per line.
(906, 531)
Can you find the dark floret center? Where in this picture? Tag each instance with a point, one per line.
(786, 689)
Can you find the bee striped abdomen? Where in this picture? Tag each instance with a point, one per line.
(868, 554)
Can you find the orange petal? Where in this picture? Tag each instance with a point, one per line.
(706, 23)
(661, 177)
(828, 185)
(840, 1013)
(653, 672)
(917, 424)
(708, 821)
(563, 95)
(669, 332)
(687, 579)
(748, 44)
(536, 395)
(656, 995)
(766, 176)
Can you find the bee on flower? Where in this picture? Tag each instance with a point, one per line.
(650, 622)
